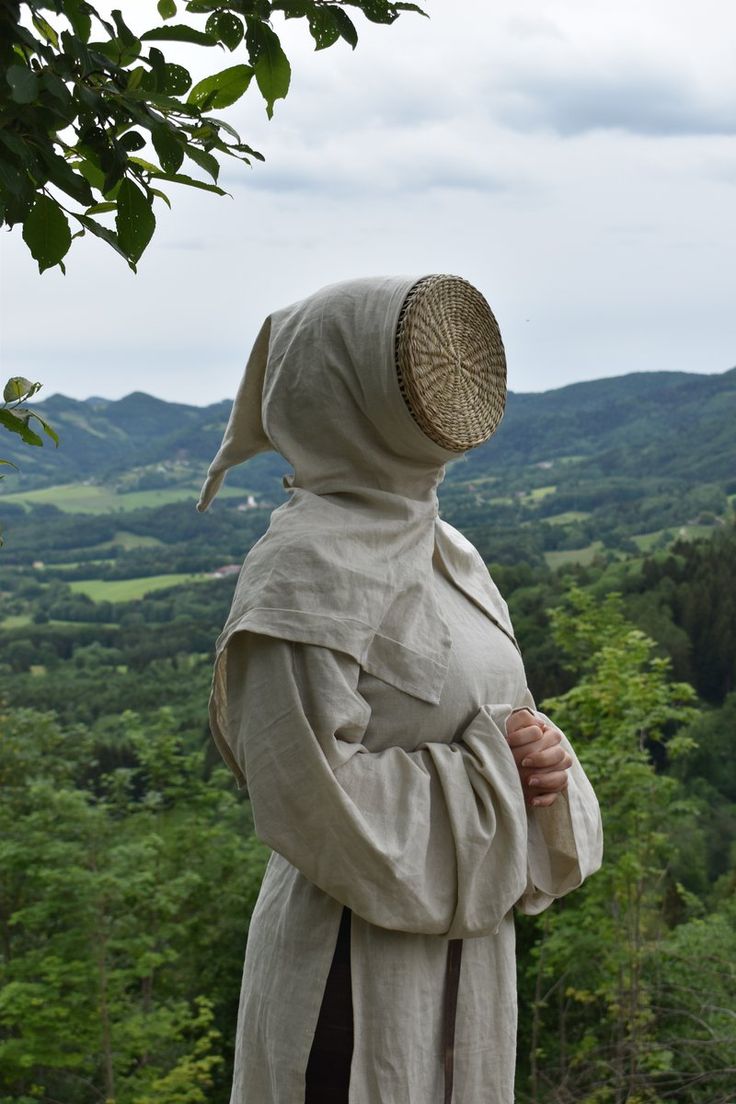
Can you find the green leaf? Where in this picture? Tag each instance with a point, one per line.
(23, 84)
(191, 182)
(226, 28)
(249, 150)
(106, 234)
(17, 146)
(63, 176)
(226, 127)
(205, 161)
(135, 77)
(18, 423)
(157, 61)
(46, 29)
(177, 80)
(179, 33)
(272, 69)
(48, 430)
(294, 9)
(147, 165)
(323, 28)
(78, 15)
(46, 233)
(100, 208)
(125, 34)
(222, 89)
(168, 147)
(378, 11)
(132, 140)
(135, 220)
(118, 51)
(91, 173)
(18, 388)
(345, 26)
(56, 87)
(166, 8)
(166, 103)
(12, 179)
(161, 195)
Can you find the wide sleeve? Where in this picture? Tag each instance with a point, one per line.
(565, 840)
(432, 841)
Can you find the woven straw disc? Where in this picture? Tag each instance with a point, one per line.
(451, 362)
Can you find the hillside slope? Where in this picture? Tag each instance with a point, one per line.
(675, 424)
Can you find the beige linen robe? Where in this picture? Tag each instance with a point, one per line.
(362, 686)
(412, 815)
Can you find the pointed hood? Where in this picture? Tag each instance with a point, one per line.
(347, 562)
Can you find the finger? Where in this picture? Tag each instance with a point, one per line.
(543, 740)
(545, 758)
(522, 718)
(525, 715)
(551, 782)
(522, 736)
(543, 801)
(522, 751)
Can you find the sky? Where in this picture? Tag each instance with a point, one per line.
(574, 159)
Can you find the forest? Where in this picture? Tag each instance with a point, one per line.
(128, 863)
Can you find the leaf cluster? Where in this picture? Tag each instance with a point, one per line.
(17, 418)
(81, 96)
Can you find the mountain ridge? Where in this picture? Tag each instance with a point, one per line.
(674, 425)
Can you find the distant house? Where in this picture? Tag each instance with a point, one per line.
(251, 504)
(225, 570)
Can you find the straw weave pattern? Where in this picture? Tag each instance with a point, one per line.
(451, 362)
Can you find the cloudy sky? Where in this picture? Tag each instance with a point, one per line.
(574, 159)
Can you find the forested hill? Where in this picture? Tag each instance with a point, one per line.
(674, 424)
(622, 464)
(128, 855)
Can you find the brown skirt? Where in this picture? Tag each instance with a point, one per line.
(328, 1070)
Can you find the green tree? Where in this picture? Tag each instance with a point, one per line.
(600, 985)
(94, 118)
(124, 900)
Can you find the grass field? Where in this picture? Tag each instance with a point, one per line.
(134, 540)
(646, 541)
(538, 493)
(573, 555)
(125, 590)
(93, 498)
(566, 517)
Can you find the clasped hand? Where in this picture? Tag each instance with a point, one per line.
(540, 758)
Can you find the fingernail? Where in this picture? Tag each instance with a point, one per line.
(533, 781)
(526, 762)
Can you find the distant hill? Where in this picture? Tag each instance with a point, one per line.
(675, 424)
(614, 463)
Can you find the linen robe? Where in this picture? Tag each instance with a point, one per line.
(362, 686)
(412, 815)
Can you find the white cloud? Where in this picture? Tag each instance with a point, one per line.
(572, 158)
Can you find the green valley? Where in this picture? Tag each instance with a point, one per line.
(128, 861)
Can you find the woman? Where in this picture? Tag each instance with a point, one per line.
(369, 689)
